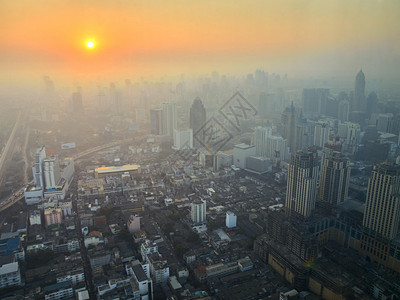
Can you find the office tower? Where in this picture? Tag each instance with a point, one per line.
(372, 105)
(289, 120)
(198, 211)
(359, 92)
(169, 118)
(335, 175)
(156, 121)
(77, 106)
(301, 188)
(321, 133)
(240, 154)
(350, 134)
(37, 169)
(343, 110)
(230, 220)
(197, 115)
(382, 205)
(269, 145)
(183, 139)
(51, 172)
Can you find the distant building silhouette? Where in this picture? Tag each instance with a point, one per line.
(359, 92)
(197, 119)
(289, 121)
(169, 118)
(77, 106)
(156, 121)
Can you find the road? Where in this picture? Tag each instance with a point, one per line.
(10, 142)
(19, 194)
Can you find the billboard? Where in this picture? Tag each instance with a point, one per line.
(68, 146)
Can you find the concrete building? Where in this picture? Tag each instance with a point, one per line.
(350, 134)
(359, 92)
(335, 176)
(117, 170)
(51, 172)
(9, 275)
(148, 247)
(156, 122)
(289, 120)
(169, 118)
(52, 216)
(269, 145)
(35, 218)
(183, 139)
(240, 154)
(198, 211)
(133, 224)
(321, 133)
(230, 220)
(159, 268)
(301, 191)
(382, 206)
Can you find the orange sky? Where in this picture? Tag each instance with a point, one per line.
(138, 38)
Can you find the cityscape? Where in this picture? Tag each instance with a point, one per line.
(148, 173)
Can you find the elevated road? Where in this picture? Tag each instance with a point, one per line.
(19, 194)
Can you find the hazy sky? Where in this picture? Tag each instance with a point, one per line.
(139, 38)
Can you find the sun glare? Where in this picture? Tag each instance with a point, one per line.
(90, 44)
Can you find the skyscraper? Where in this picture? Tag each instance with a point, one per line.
(197, 118)
(156, 121)
(169, 118)
(359, 92)
(321, 133)
(335, 175)
(269, 145)
(301, 188)
(382, 205)
(289, 122)
(51, 172)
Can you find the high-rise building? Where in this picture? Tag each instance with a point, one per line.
(183, 139)
(51, 172)
(301, 191)
(197, 118)
(314, 102)
(321, 133)
(343, 110)
(37, 170)
(335, 175)
(198, 211)
(382, 205)
(230, 220)
(359, 92)
(169, 118)
(289, 120)
(156, 121)
(269, 145)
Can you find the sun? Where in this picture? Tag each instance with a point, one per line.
(90, 44)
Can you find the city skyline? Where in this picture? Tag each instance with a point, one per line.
(309, 38)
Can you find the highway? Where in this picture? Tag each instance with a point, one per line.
(10, 142)
(19, 194)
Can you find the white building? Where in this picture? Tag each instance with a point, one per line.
(35, 218)
(350, 135)
(146, 248)
(159, 268)
(10, 275)
(141, 283)
(198, 211)
(240, 154)
(183, 139)
(230, 219)
(51, 172)
(76, 276)
(321, 133)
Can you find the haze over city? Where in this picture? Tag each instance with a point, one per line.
(210, 150)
